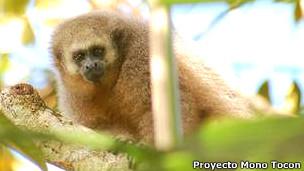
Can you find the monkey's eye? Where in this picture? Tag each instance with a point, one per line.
(78, 56)
(98, 51)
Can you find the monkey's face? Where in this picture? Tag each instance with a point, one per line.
(91, 62)
(89, 50)
(92, 59)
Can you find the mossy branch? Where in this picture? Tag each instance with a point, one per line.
(23, 106)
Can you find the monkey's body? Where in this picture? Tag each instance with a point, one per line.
(120, 101)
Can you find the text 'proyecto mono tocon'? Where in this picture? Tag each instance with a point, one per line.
(246, 165)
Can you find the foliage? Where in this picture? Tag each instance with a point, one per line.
(292, 102)
(7, 160)
(293, 98)
(263, 91)
(4, 65)
(15, 138)
(261, 140)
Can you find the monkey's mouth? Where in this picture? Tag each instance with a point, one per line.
(94, 77)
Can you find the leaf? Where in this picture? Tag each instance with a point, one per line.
(14, 137)
(43, 4)
(4, 63)
(28, 36)
(285, 1)
(177, 160)
(13, 7)
(293, 99)
(171, 2)
(298, 13)
(7, 160)
(52, 21)
(263, 139)
(237, 3)
(263, 91)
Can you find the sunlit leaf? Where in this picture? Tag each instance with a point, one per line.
(293, 99)
(263, 91)
(7, 160)
(52, 22)
(43, 4)
(4, 63)
(237, 3)
(103, 4)
(20, 140)
(170, 2)
(285, 1)
(298, 13)
(13, 7)
(28, 36)
(232, 3)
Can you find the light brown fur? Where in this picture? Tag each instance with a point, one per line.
(121, 104)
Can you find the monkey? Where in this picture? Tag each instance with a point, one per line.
(101, 62)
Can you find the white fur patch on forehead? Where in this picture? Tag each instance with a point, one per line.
(85, 44)
(88, 42)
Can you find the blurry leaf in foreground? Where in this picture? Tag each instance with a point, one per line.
(43, 4)
(178, 161)
(7, 160)
(52, 21)
(13, 7)
(237, 3)
(263, 90)
(14, 137)
(292, 99)
(28, 36)
(285, 1)
(298, 13)
(265, 139)
(4, 63)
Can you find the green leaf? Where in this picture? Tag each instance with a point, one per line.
(237, 3)
(263, 139)
(4, 63)
(13, 7)
(263, 90)
(178, 160)
(293, 99)
(285, 1)
(12, 136)
(28, 36)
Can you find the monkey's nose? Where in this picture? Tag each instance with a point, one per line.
(93, 71)
(94, 67)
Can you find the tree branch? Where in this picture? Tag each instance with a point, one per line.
(24, 107)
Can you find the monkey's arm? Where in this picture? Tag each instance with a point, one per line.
(23, 106)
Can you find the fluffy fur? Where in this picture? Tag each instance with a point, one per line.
(121, 103)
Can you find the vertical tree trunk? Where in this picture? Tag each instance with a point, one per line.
(165, 96)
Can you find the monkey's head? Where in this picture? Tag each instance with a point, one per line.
(89, 49)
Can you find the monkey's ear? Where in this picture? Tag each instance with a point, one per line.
(57, 57)
(120, 38)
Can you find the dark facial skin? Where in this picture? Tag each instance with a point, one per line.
(91, 62)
